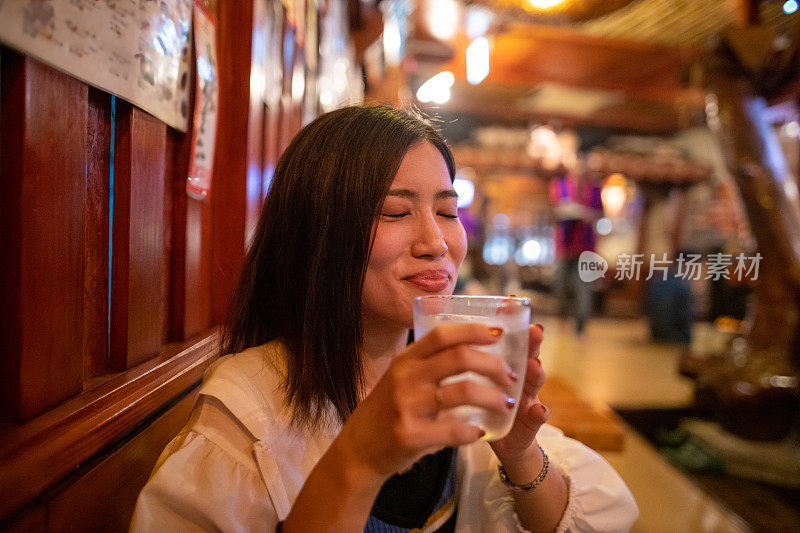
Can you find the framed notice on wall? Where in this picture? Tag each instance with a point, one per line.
(138, 50)
(204, 134)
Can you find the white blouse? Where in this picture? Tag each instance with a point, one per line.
(238, 465)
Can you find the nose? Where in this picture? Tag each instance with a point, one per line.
(428, 239)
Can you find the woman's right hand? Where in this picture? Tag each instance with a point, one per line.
(398, 422)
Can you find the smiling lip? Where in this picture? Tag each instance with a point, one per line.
(431, 280)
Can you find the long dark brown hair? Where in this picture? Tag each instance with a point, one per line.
(302, 278)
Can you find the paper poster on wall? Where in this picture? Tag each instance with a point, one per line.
(204, 133)
(136, 49)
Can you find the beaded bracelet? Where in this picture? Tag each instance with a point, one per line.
(530, 486)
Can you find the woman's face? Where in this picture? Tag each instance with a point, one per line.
(419, 242)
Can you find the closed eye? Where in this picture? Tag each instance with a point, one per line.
(447, 215)
(394, 215)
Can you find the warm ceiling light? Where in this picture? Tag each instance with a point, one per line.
(613, 194)
(478, 21)
(392, 42)
(477, 60)
(443, 18)
(436, 89)
(298, 82)
(545, 4)
(542, 11)
(543, 144)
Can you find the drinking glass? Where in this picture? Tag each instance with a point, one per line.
(509, 313)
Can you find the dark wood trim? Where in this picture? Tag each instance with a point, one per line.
(12, 97)
(39, 454)
(84, 505)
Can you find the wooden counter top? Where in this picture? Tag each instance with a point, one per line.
(599, 430)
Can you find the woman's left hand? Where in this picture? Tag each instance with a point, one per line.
(531, 414)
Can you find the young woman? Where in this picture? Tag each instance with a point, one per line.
(324, 418)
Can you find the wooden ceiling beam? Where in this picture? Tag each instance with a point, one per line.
(618, 118)
(637, 69)
(650, 78)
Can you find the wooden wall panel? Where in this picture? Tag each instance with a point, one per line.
(137, 271)
(44, 114)
(12, 101)
(228, 190)
(103, 499)
(166, 236)
(175, 263)
(36, 457)
(197, 273)
(177, 170)
(95, 309)
(190, 250)
(190, 237)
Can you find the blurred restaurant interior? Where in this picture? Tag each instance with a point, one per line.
(138, 141)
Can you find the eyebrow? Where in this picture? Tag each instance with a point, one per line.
(413, 195)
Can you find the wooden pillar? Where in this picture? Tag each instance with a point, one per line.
(190, 242)
(138, 302)
(228, 195)
(42, 197)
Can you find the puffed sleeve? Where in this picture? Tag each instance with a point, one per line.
(599, 501)
(199, 486)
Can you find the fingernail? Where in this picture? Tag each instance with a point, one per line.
(481, 433)
(541, 327)
(495, 332)
(544, 407)
(510, 402)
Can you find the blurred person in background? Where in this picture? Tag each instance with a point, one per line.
(668, 304)
(577, 205)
